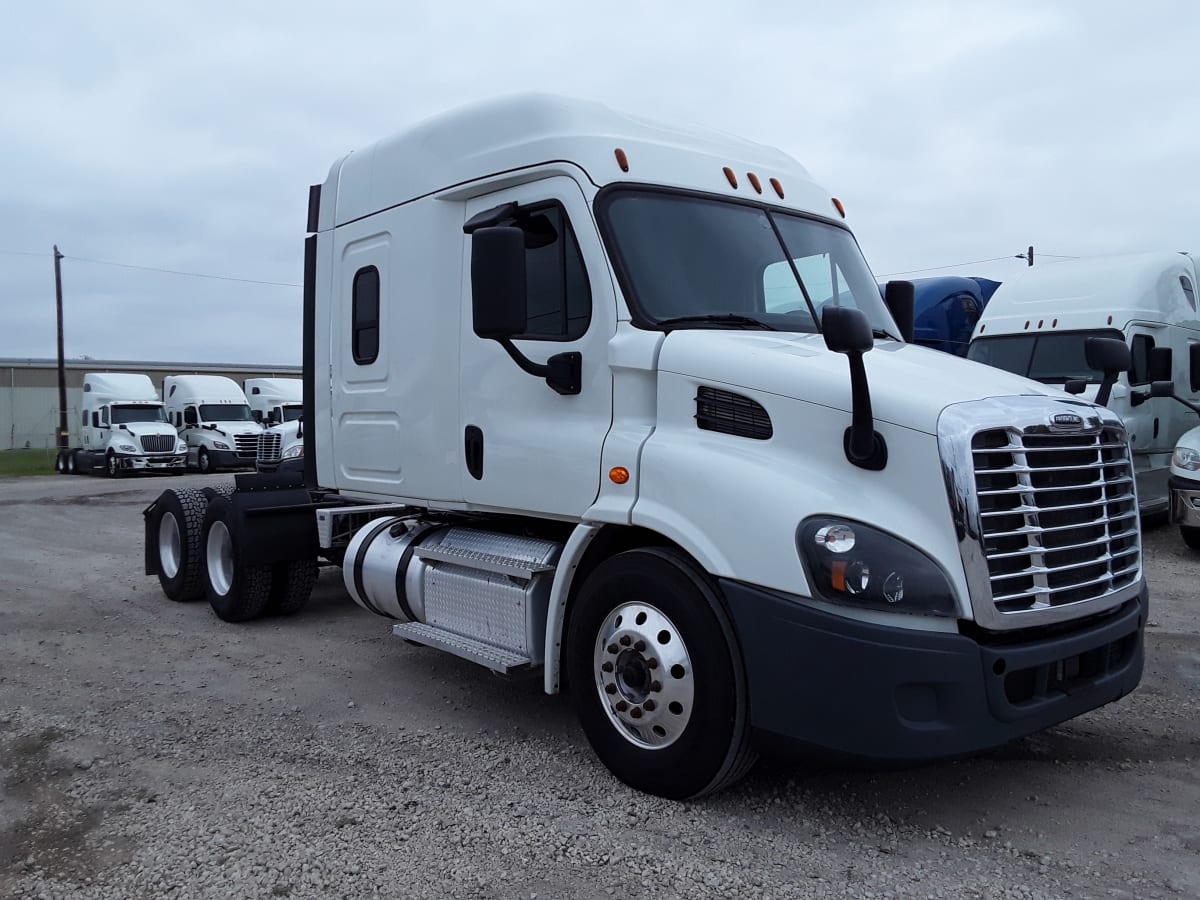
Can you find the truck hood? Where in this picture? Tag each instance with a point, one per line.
(910, 385)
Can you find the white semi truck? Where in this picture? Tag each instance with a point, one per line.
(621, 403)
(212, 416)
(122, 429)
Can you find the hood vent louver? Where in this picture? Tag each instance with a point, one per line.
(731, 413)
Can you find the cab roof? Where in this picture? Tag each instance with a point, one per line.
(448, 152)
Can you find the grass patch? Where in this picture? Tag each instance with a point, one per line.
(27, 462)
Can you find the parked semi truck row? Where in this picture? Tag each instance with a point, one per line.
(623, 403)
(122, 429)
(214, 420)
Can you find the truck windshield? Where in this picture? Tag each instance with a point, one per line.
(225, 412)
(123, 415)
(292, 413)
(697, 262)
(1049, 358)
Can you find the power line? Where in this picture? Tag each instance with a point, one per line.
(105, 262)
(974, 262)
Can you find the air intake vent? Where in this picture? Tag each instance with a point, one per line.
(731, 413)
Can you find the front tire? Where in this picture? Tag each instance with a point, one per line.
(112, 466)
(1190, 535)
(657, 677)
(236, 590)
(204, 462)
(176, 528)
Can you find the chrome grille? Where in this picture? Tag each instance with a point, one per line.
(268, 447)
(158, 443)
(1058, 516)
(246, 445)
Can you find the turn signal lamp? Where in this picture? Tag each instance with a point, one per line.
(618, 475)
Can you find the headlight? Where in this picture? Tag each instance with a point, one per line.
(293, 452)
(180, 447)
(851, 563)
(1186, 458)
(220, 445)
(127, 448)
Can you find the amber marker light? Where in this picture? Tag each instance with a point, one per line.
(622, 159)
(837, 204)
(837, 575)
(775, 183)
(618, 474)
(732, 179)
(754, 182)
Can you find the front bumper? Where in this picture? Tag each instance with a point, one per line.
(140, 462)
(291, 464)
(870, 691)
(1185, 501)
(230, 459)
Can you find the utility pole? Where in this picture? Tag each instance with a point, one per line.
(63, 433)
(1028, 257)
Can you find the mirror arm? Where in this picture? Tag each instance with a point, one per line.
(1105, 389)
(1192, 406)
(563, 371)
(863, 445)
(1137, 398)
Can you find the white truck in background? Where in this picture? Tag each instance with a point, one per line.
(212, 416)
(622, 404)
(122, 429)
(278, 403)
(1037, 323)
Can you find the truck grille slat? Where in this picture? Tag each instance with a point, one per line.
(1057, 515)
(246, 445)
(269, 447)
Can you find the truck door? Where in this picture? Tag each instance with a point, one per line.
(524, 446)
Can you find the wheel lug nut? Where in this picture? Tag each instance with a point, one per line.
(652, 663)
(636, 712)
(626, 640)
(639, 646)
(612, 648)
(607, 667)
(649, 704)
(610, 689)
(656, 686)
(622, 706)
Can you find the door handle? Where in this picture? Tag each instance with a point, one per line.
(473, 451)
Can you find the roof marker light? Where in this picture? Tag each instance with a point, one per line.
(1110, 320)
(754, 182)
(983, 328)
(730, 176)
(1026, 324)
(837, 204)
(622, 159)
(1054, 324)
(1041, 322)
(778, 187)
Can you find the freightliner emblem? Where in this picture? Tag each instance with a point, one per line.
(1066, 421)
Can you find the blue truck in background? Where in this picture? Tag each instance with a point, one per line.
(946, 308)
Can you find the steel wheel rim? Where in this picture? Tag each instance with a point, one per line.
(112, 465)
(644, 676)
(170, 546)
(219, 553)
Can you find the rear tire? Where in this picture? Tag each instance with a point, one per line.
(176, 527)
(73, 467)
(1191, 536)
(291, 585)
(237, 591)
(656, 676)
(60, 462)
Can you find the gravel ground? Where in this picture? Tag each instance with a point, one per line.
(148, 750)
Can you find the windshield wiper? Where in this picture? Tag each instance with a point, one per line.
(880, 333)
(731, 320)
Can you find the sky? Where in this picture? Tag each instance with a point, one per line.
(184, 136)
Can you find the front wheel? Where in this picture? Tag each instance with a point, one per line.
(203, 461)
(1191, 536)
(112, 465)
(656, 676)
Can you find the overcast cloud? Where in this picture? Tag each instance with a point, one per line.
(185, 136)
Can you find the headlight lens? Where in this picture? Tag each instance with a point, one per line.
(127, 448)
(293, 452)
(220, 445)
(180, 447)
(854, 564)
(1186, 458)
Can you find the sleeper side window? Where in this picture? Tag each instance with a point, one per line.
(558, 295)
(364, 325)
(1139, 372)
(1188, 290)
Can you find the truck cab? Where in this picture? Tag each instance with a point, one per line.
(622, 404)
(274, 401)
(123, 428)
(1037, 324)
(212, 416)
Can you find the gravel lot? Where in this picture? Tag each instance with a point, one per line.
(148, 750)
